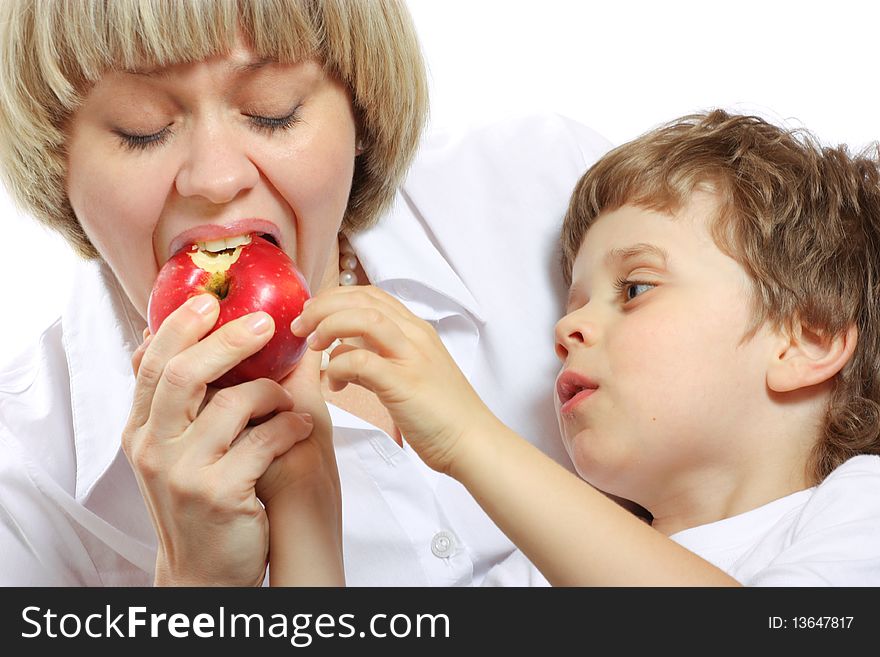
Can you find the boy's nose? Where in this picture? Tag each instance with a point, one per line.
(572, 332)
(217, 167)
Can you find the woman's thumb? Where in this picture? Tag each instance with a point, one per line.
(304, 383)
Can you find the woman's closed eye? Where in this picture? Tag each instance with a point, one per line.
(271, 124)
(261, 123)
(630, 289)
(136, 141)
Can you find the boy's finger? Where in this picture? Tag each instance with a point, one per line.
(366, 369)
(374, 328)
(346, 298)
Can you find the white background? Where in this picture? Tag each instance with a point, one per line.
(619, 66)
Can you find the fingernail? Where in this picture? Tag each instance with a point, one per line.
(307, 302)
(295, 325)
(145, 334)
(202, 304)
(307, 418)
(311, 339)
(257, 323)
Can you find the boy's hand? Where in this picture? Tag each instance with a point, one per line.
(401, 359)
(198, 452)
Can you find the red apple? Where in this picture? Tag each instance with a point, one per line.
(251, 276)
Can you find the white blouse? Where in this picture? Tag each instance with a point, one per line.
(470, 245)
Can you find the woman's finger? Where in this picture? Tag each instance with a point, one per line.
(258, 446)
(304, 383)
(181, 329)
(138, 354)
(227, 415)
(186, 376)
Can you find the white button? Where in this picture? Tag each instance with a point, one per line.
(443, 544)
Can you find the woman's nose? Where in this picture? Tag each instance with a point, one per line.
(573, 331)
(217, 166)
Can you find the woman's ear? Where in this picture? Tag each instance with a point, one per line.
(806, 357)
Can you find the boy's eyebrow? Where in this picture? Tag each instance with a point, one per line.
(237, 69)
(622, 255)
(636, 251)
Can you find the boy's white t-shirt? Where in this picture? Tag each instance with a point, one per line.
(827, 535)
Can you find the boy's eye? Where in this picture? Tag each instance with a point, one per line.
(631, 289)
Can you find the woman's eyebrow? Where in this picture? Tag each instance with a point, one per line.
(238, 68)
(642, 249)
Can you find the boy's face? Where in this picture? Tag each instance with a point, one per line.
(222, 147)
(654, 325)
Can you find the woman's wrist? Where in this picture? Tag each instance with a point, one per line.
(305, 537)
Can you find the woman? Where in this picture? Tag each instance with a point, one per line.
(133, 128)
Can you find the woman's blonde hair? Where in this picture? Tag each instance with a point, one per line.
(802, 219)
(52, 51)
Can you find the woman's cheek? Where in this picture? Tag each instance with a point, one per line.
(120, 219)
(318, 198)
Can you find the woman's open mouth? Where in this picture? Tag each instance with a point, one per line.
(219, 237)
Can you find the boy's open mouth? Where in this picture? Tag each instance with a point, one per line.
(571, 387)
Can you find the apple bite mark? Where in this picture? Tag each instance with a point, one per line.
(217, 264)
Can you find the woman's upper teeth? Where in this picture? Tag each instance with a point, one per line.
(223, 243)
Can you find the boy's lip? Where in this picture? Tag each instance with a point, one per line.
(207, 232)
(573, 387)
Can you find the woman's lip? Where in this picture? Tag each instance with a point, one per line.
(568, 407)
(207, 232)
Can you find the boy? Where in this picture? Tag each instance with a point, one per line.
(719, 368)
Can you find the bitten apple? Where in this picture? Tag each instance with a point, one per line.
(246, 274)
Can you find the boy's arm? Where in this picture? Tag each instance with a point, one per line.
(302, 495)
(573, 533)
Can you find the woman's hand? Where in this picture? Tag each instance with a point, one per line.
(197, 452)
(311, 462)
(402, 360)
(302, 494)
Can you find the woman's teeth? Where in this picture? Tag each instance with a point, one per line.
(215, 246)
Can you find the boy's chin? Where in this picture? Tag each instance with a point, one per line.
(636, 509)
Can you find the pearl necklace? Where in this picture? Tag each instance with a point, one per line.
(348, 263)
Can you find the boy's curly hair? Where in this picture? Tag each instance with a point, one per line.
(801, 218)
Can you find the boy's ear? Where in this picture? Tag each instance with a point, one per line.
(807, 357)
